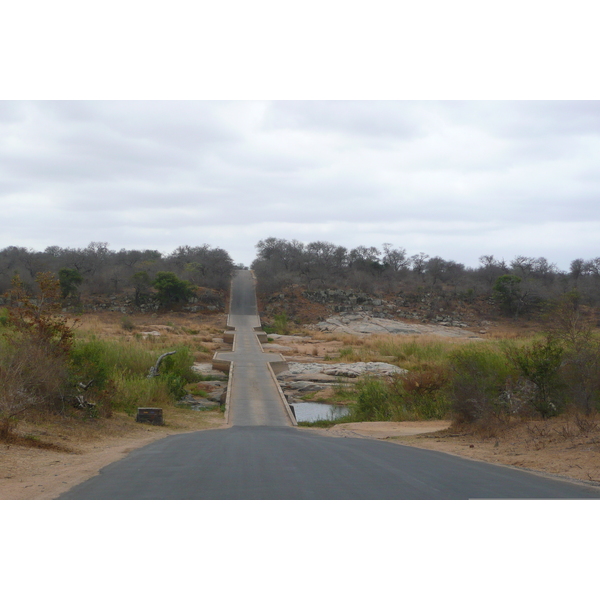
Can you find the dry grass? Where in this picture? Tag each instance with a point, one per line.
(110, 324)
(175, 329)
(518, 332)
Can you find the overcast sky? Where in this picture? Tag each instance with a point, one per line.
(455, 179)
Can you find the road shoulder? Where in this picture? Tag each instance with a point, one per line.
(39, 474)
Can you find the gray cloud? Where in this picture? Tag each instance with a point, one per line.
(458, 179)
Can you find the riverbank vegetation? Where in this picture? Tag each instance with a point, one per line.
(480, 382)
(87, 368)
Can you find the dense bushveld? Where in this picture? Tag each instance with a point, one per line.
(517, 287)
(48, 365)
(96, 269)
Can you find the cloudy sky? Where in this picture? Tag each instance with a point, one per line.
(457, 179)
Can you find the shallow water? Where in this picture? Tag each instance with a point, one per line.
(313, 411)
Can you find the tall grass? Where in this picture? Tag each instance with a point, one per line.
(124, 365)
(133, 392)
(412, 353)
(401, 399)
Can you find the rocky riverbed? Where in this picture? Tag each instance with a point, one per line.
(302, 378)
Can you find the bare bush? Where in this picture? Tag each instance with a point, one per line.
(36, 343)
(31, 375)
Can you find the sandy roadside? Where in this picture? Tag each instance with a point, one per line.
(383, 430)
(36, 474)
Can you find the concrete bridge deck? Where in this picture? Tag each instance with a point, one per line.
(255, 398)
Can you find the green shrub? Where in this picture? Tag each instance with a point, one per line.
(88, 363)
(411, 397)
(125, 366)
(280, 325)
(127, 323)
(374, 401)
(478, 379)
(120, 356)
(539, 364)
(175, 385)
(180, 364)
(171, 289)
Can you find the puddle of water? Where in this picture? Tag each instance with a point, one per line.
(314, 411)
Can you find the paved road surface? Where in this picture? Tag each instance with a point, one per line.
(255, 397)
(263, 457)
(285, 463)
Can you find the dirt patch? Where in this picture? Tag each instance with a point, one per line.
(383, 430)
(30, 473)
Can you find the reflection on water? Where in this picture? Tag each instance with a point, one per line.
(313, 411)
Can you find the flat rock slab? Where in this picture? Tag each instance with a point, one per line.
(286, 376)
(205, 369)
(341, 369)
(358, 325)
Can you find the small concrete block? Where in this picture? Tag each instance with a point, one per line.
(154, 416)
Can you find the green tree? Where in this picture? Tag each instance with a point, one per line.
(171, 289)
(507, 292)
(141, 283)
(69, 280)
(540, 365)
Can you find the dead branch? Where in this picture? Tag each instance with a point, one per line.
(154, 369)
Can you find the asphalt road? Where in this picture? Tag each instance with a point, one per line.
(263, 457)
(285, 463)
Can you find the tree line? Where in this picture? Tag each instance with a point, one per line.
(517, 285)
(96, 269)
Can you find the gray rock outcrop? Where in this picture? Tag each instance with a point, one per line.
(354, 324)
